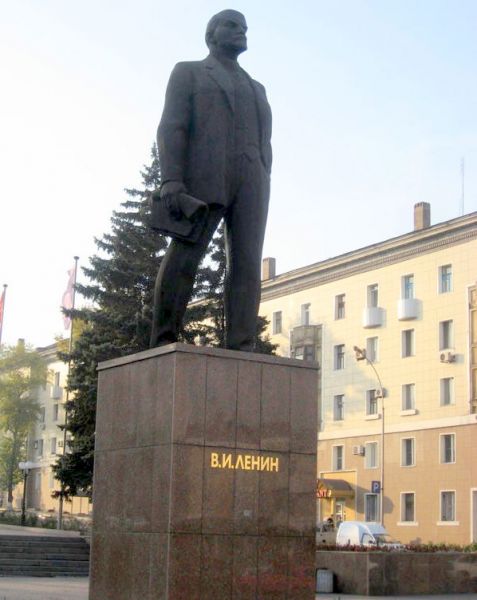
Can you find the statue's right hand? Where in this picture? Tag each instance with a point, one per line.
(170, 194)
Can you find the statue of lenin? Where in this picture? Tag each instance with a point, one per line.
(214, 144)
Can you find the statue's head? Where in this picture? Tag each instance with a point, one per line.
(227, 31)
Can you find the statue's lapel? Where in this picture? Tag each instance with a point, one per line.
(221, 78)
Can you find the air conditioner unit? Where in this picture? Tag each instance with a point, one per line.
(447, 357)
(358, 450)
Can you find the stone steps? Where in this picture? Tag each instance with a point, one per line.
(27, 555)
(43, 556)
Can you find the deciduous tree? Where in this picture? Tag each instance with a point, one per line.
(22, 370)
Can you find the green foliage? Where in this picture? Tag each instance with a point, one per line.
(117, 323)
(14, 518)
(10, 456)
(22, 370)
(35, 520)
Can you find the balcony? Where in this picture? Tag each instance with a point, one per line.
(373, 316)
(56, 392)
(408, 308)
(305, 342)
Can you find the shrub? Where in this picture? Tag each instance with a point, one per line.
(429, 547)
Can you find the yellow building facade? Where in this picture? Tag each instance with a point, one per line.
(46, 444)
(396, 319)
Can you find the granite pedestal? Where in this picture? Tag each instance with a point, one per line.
(205, 477)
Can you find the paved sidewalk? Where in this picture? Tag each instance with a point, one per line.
(76, 588)
(44, 588)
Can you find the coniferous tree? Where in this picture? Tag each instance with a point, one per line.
(120, 291)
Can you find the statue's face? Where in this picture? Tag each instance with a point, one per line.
(230, 33)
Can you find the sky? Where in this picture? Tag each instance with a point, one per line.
(374, 107)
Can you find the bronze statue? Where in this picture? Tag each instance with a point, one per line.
(214, 146)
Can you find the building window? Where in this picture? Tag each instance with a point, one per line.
(338, 458)
(305, 314)
(57, 379)
(338, 407)
(42, 414)
(407, 287)
(53, 445)
(448, 448)
(55, 412)
(446, 335)
(371, 455)
(447, 391)
(445, 279)
(407, 507)
(408, 343)
(306, 352)
(40, 447)
(371, 507)
(408, 395)
(340, 306)
(371, 402)
(447, 506)
(277, 322)
(372, 349)
(372, 296)
(339, 357)
(407, 452)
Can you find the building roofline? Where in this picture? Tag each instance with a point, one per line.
(374, 256)
(48, 351)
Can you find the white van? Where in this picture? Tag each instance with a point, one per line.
(356, 533)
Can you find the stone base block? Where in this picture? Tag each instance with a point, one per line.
(205, 477)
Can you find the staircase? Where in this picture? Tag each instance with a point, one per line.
(43, 556)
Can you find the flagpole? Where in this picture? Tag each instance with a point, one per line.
(4, 295)
(70, 349)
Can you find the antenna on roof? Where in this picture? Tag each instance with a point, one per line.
(462, 174)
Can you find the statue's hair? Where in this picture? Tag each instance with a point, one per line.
(215, 20)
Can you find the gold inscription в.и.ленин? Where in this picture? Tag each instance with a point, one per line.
(244, 462)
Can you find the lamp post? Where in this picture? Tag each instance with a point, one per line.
(25, 467)
(360, 354)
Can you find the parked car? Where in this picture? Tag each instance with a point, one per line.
(357, 533)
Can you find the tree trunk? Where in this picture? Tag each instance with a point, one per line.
(10, 473)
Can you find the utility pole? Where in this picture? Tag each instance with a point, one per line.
(70, 349)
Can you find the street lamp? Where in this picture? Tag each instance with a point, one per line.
(25, 467)
(360, 354)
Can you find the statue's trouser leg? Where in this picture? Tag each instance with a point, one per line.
(175, 281)
(245, 222)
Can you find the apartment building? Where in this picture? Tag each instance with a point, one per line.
(46, 443)
(394, 329)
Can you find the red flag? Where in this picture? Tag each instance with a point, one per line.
(68, 297)
(2, 307)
